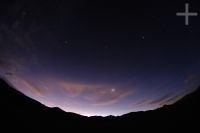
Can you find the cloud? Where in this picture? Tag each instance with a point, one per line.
(193, 79)
(73, 89)
(171, 100)
(107, 95)
(93, 94)
(96, 94)
(28, 86)
(161, 99)
(177, 97)
(140, 102)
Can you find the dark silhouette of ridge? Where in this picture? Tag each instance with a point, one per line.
(18, 110)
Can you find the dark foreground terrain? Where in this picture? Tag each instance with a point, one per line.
(20, 113)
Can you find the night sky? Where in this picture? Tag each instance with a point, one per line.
(100, 57)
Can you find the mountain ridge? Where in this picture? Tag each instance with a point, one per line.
(22, 109)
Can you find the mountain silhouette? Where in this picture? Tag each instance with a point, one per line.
(18, 110)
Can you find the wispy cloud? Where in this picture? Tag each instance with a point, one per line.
(93, 94)
(140, 102)
(73, 89)
(161, 99)
(193, 79)
(107, 95)
(96, 94)
(178, 96)
(24, 84)
(171, 100)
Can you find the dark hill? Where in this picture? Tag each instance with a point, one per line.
(22, 112)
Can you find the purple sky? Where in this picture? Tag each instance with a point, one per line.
(94, 59)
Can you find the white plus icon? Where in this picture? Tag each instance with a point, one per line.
(186, 14)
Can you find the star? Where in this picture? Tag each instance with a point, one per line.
(143, 38)
(66, 42)
(113, 90)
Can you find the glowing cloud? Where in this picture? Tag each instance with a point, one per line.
(107, 95)
(24, 84)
